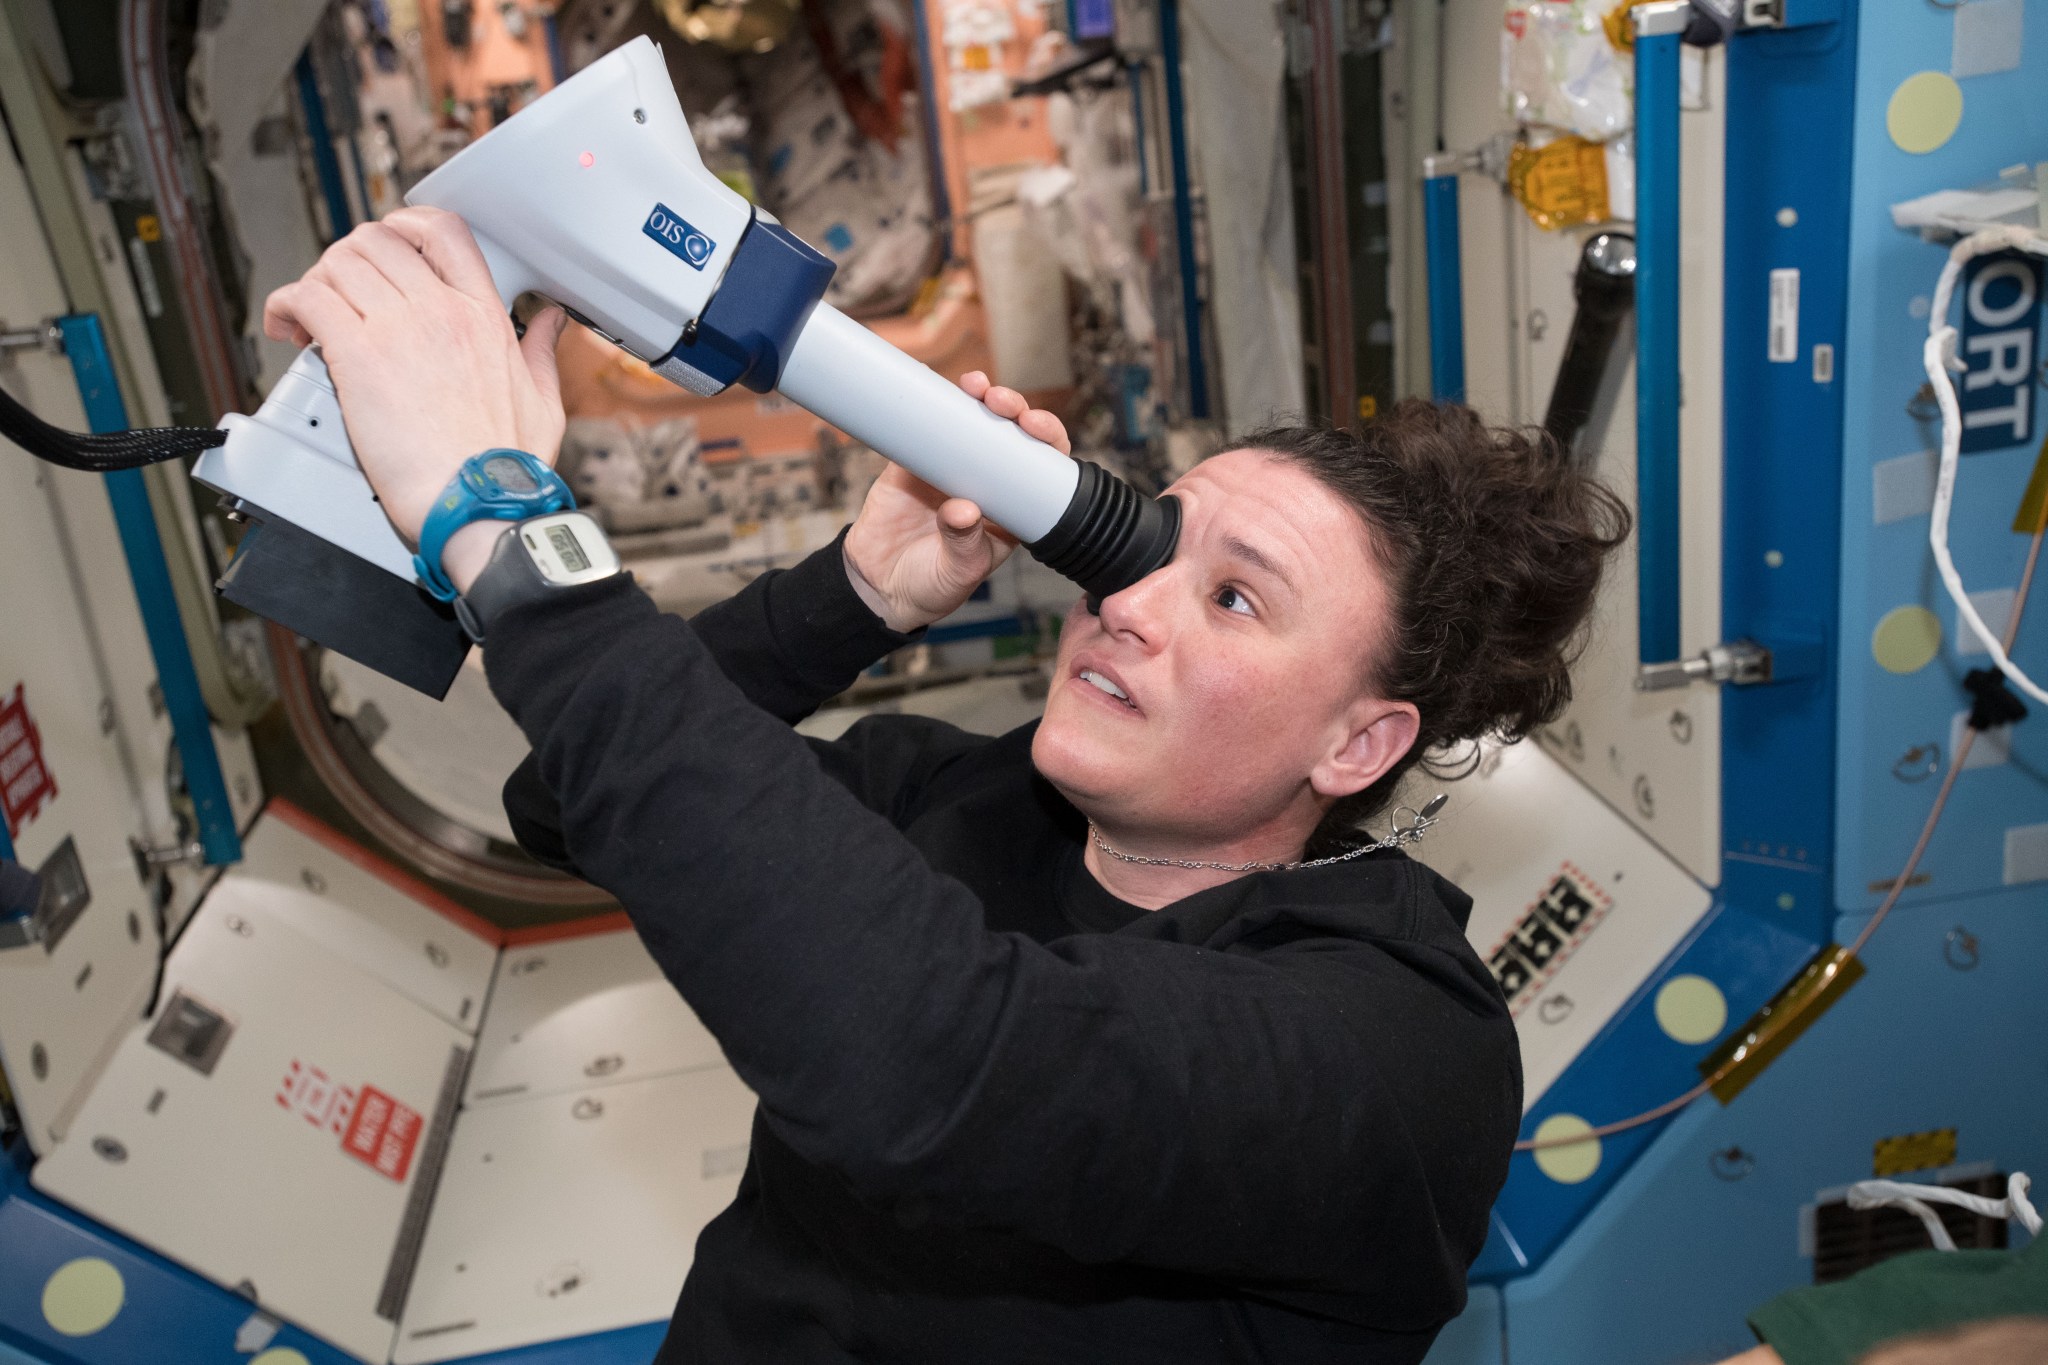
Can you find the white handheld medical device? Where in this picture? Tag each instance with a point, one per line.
(594, 196)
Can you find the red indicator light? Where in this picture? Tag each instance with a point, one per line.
(586, 159)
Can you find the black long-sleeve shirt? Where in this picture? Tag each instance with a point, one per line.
(1005, 1116)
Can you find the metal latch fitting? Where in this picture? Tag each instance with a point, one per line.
(46, 336)
(149, 860)
(1744, 663)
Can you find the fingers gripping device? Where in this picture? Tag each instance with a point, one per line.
(594, 196)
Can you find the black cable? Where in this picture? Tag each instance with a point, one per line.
(100, 454)
(163, 951)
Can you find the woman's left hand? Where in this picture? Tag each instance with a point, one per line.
(914, 555)
(423, 357)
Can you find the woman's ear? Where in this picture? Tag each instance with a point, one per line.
(1376, 735)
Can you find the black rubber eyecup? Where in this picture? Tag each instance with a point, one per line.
(1110, 536)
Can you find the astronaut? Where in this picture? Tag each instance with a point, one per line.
(1116, 1038)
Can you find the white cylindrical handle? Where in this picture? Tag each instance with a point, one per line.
(907, 412)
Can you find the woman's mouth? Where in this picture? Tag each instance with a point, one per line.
(1107, 686)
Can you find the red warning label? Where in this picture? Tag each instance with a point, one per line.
(25, 781)
(382, 1133)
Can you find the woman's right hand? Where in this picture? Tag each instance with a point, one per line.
(915, 555)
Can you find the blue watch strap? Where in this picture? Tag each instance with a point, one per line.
(497, 485)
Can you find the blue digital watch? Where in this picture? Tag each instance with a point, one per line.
(498, 485)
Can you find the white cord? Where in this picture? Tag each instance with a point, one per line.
(1872, 1194)
(1939, 358)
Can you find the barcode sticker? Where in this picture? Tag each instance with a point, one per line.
(1784, 344)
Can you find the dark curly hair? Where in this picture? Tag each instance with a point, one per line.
(1492, 541)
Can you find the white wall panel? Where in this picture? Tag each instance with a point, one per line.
(1654, 757)
(61, 1010)
(1522, 829)
(567, 1014)
(574, 1213)
(297, 873)
(290, 1161)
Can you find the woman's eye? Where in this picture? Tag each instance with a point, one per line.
(1230, 599)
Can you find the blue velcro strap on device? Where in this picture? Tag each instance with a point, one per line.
(474, 495)
(766, 297)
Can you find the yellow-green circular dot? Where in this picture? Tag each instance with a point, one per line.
(281, 1355)
(83, 1296)
(1786, 900)
(1924, 111)
(1692, 1009)
(1906, 640)
(1571, 1162)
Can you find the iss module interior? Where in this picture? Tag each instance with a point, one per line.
(305, 1060)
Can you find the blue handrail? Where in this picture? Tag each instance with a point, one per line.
(1657, 376)
(326, 165)
(86, 347)
(1446, 280)
(1183, 209)
(934, 148)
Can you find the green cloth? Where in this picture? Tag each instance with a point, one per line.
(1922, 1291)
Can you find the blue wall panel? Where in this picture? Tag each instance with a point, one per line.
(1791, 97)
(167, 1315)
(1668, 1265)
(1687, 1227)
(170, 1316)
(1630, 1067)
(1476, 1338)
(1886, 716)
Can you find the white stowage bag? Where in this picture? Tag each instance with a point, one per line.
(1236, 57)
(1559, 70)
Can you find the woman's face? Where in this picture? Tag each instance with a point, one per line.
(1243, 664)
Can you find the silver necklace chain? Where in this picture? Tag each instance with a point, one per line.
(1418, 824)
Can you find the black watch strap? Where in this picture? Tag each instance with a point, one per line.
(510, 576)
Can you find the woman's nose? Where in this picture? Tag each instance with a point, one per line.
(1138, 612)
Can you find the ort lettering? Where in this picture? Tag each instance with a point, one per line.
(2001, 321)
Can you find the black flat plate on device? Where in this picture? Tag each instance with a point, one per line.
(346, 603)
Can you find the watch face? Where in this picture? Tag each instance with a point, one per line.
(510, 475)
(568, 548)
